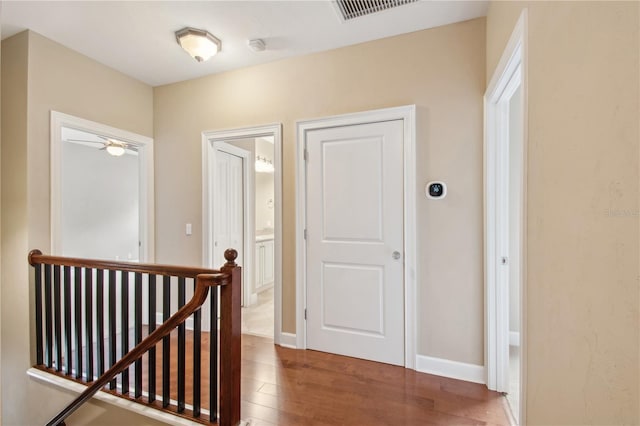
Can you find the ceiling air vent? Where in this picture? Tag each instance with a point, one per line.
(350, 9)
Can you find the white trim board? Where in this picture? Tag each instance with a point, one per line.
(451, 369)
(408, 115)
(208, 137)
(511, 72)
(514, 338)
(288, 340)
(117, 401)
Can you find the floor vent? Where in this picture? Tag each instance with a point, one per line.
(351, 9)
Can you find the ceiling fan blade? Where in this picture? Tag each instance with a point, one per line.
(113, 141)
(83, 140)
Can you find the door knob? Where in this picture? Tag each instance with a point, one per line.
(395, 255)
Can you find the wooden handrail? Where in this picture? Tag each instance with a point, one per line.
(229, 378)
(37, 258)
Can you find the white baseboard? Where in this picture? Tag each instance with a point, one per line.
(288, 340)
(452, 369)
(253, 298)
(514, 338)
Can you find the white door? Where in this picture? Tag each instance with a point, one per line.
(228, 207)
(355, 282)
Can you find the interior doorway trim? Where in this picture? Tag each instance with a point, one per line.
(510, 74)
(208, 140)
(144, 146)
(407, 114)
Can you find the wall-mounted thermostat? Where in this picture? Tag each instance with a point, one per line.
(436, 190)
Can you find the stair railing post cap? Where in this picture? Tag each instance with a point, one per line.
(231, 255)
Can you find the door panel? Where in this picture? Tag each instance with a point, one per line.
(229, 213)
(341, 285)
(355, 286)
(362, 184)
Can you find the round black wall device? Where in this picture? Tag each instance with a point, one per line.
(436, 190)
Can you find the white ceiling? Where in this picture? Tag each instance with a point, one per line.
(137, 37)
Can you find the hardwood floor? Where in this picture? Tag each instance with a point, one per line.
(257, 319)
(283, 386)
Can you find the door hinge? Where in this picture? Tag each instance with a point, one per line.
(305, 313)
(305, 234)
(305, 154)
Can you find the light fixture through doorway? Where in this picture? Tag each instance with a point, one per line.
(200, 44)
(263, 165)
(115, 148)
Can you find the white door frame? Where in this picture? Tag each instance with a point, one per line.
(144, 146)
(510, 74)
(208, 139)
(248, 212)
(407, 114)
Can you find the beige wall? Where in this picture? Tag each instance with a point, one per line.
(39, 75)
(13, 269)
(582, 251)
(441, 70)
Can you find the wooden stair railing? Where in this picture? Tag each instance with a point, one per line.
(227, 376)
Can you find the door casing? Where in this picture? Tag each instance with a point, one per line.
(208, 138)
(407, 114)
(510, 74)
(144, 146)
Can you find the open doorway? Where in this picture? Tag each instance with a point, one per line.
(251, 159)
(101, 199)
(505, 223)
(101, 191)
(515, 237)
(258, 151)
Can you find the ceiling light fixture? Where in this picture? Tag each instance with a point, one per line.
(263, 165)
(200, 44)
(115, 148)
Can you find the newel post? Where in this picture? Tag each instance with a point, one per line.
(230, 335)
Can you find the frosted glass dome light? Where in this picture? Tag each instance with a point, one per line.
(115, 148)
(200, 44)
